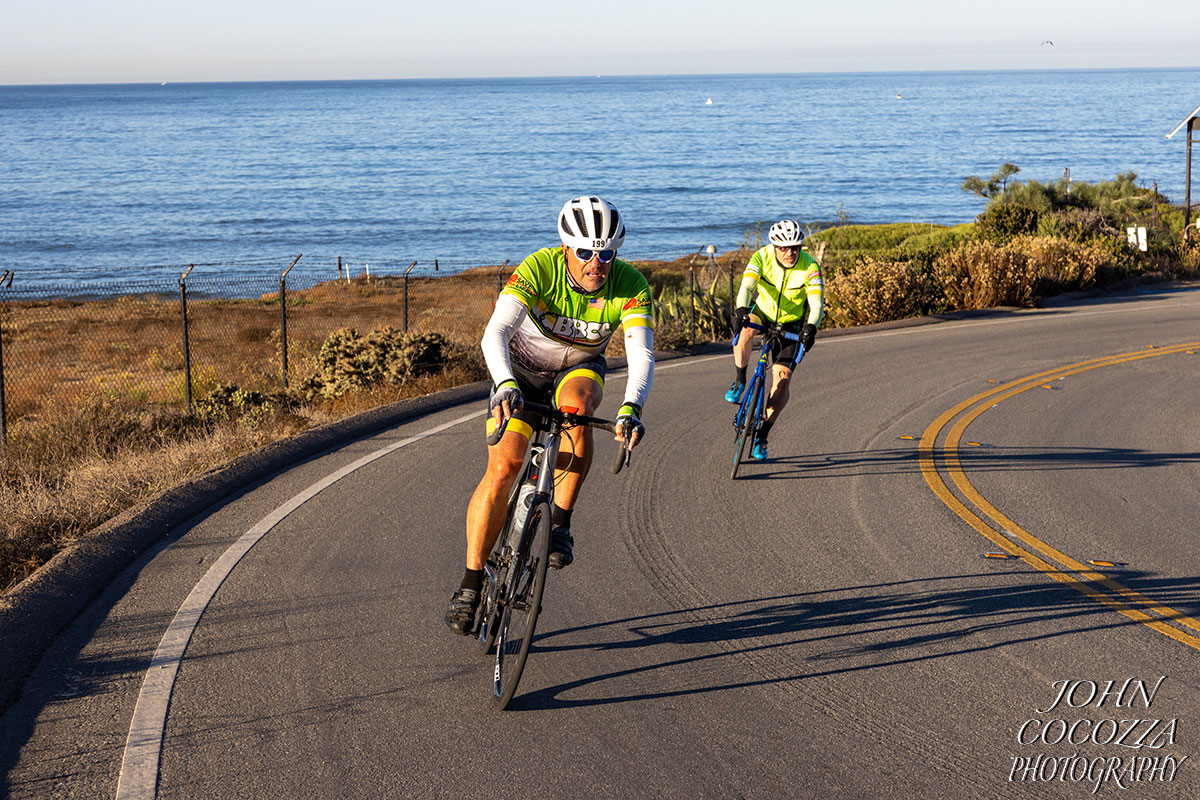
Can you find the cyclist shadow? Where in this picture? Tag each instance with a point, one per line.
(797, 637)
(905, 460)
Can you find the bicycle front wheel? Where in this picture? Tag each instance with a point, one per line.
(749, 422)
(526, 583)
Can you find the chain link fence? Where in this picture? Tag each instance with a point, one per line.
(167, 342)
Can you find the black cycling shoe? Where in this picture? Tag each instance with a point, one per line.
(560, 549)
(460, 616)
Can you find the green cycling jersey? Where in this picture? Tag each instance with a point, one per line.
(564, 327)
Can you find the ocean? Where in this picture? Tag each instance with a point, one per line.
(124, 182)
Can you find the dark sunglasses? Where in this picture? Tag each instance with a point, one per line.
(586, 255)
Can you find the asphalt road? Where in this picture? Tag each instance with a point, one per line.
(830, 625)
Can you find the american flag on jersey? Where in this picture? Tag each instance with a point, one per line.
(596, 302)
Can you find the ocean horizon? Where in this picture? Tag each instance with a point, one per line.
(105, 181)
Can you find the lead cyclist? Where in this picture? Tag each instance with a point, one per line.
(545, 341)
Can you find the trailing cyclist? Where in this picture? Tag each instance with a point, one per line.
(784, 284)
(545, 341)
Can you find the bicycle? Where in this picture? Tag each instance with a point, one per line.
(515, 571)
(752, 409)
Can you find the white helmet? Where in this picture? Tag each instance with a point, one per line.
(591, 223)
(786, 233)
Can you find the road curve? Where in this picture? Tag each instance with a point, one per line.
(959, 523)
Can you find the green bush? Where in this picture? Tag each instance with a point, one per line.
(1001, 223)
(348, 361)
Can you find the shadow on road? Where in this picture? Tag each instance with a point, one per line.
(986, 458)
(813, 634)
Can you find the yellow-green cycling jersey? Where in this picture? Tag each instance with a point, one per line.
(784, 294)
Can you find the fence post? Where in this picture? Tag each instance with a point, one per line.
(692, 303)
(187, 353)
(283, 344)
(410, 266)
(3, 413)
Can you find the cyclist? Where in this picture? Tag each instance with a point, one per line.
(545, 341)
(787, 282)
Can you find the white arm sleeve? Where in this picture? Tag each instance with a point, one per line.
(505, 320)
(639, 351)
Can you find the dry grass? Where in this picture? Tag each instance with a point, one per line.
(877, 291)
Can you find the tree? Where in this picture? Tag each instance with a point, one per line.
(993, 187)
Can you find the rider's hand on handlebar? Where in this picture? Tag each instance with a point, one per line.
(808, 335)
(629, 428)
(505, 402)
(740, 317)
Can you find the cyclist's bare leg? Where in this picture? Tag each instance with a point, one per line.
(781, 380)
(485, 513)
(575, 453)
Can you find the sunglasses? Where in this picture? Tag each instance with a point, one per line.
(791, 248)
(586, 255)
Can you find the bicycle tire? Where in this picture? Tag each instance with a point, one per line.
(525, 585)
(749, 423)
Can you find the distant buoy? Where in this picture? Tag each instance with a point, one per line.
(708, 102)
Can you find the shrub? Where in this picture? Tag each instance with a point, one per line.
(348, 361)
(226, 401)
(1060, 264)
(1076, 224)
(877, 291)
(1001, 223)
(983, 274)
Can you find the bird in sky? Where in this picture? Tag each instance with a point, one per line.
(1047, 41)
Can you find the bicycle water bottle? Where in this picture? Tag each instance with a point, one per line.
(521, 513)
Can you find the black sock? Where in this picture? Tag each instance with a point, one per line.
(741, 374)
(473, 579)
(560, 517)
(764, 429)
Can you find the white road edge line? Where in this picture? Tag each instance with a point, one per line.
(138, 779)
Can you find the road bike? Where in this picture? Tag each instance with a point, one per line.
(752, 410)
(515, 572)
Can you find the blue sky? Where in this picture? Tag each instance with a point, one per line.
(72, 41)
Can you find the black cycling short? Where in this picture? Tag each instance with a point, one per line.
(784, 352)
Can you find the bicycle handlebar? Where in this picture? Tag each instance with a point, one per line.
(568, 418)
(769, 330)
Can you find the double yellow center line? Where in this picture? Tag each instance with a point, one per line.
(1012, 537)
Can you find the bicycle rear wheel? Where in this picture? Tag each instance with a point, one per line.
(526, 583)
(749, 423)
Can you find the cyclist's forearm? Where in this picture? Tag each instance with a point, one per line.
(496, 335)
(639, 352)
(816, 308)
(746, 291)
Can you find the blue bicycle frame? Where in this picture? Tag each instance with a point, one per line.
(752, 409)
